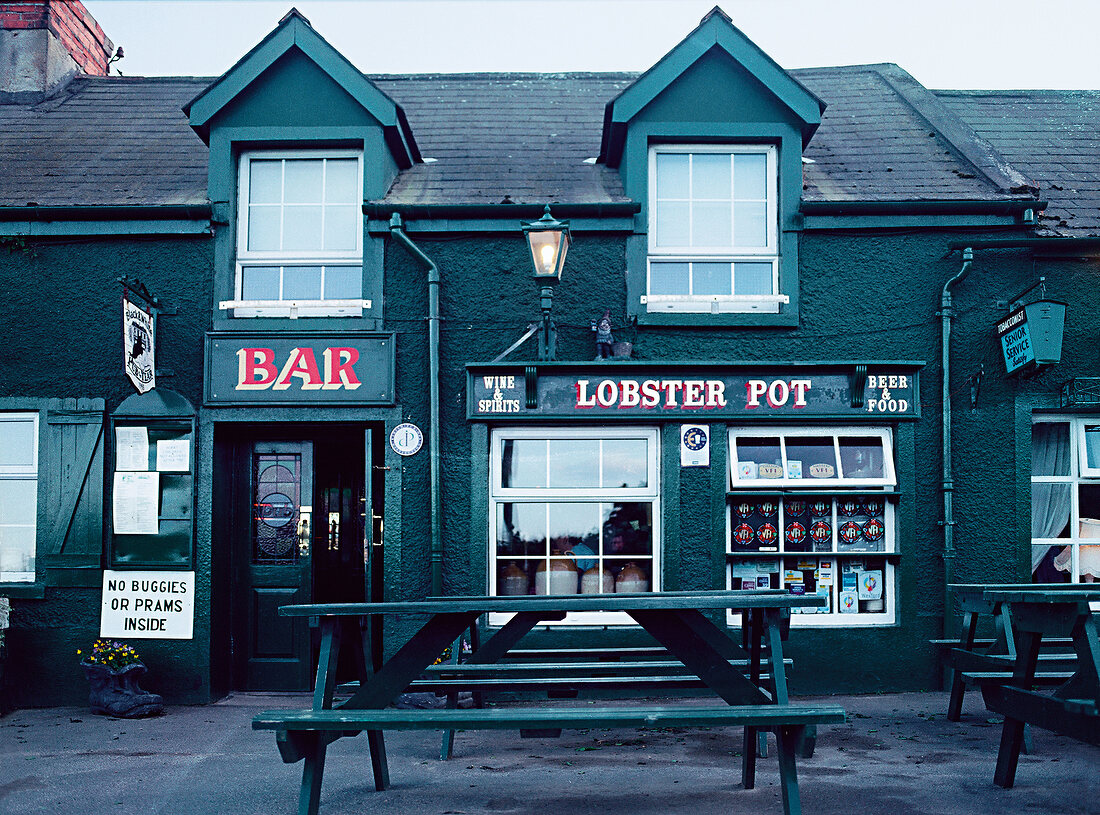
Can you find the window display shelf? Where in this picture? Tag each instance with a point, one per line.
(798, 491)
(845, 553)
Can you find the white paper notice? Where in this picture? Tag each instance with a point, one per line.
(135, 506)
(131, 449)
(174, 455)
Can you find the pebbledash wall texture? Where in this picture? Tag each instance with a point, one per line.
(870, 187)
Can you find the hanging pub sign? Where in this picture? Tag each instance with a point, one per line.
(138, 338)
(693, 391)
(300, 368)
(1031, 336)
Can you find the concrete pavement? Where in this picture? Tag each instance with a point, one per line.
(896, 755)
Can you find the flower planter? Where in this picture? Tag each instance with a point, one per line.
(116, 692)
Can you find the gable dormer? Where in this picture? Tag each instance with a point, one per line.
(709, 140)
(298, 138)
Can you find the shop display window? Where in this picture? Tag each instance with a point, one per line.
(825, 492)
(574, 512)
(1065, 499)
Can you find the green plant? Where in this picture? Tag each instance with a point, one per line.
(112, 653)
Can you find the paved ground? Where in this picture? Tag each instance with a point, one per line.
(896, 755)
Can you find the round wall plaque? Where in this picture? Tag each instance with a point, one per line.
(406, 439)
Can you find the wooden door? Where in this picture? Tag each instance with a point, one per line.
(279, 571)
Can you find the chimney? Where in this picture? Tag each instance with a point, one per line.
(43, 43)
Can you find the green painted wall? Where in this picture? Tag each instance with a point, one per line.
(62, 335)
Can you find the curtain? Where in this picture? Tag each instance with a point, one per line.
(1050, 503)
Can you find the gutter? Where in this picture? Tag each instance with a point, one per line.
(398, 233)
(1036, 242)
(946, 313)
(429, 212)
(1010, 206)
(169, 212)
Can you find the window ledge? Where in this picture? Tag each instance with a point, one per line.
(742, 304)
(296, 308)
(23, 591)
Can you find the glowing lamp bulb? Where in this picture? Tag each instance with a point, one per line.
(547, 253)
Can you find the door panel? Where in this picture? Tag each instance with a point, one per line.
(279, 561)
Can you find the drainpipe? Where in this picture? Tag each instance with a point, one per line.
(398, 233)
(947, 312)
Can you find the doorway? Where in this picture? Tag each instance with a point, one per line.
(302, 502)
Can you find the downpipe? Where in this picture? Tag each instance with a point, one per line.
(947, 313)
(397, 231)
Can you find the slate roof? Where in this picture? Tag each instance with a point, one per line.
(1053, 136)
(125, 141)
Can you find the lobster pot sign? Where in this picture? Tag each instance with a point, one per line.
(138, 334)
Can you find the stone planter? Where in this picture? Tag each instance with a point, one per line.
(116, 693)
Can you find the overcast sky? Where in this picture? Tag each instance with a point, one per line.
(943, 43)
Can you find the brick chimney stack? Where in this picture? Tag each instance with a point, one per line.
(43, 43)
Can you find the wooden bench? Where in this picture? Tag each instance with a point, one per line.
(304, 733)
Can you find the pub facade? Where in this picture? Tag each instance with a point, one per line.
(769, 359)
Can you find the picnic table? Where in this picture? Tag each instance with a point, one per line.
(1073, 708)
(678, 621)
(981, 661)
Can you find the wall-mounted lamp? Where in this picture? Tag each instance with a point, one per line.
(548, 240)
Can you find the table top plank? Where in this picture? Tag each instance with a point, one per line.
(708, 600)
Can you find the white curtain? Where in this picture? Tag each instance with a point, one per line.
(1050, 503)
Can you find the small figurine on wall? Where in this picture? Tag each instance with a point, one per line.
(602, 327)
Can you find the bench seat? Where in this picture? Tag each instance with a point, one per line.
(541, 718)
(1005, 677)
(659, 668)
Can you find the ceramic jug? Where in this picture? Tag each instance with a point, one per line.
(513, 580)
(597, 581)
(561, 579)
(631, 578)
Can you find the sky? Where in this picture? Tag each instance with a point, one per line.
(943, 43)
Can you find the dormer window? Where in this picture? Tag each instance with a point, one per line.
(713, 229)
(300, 235)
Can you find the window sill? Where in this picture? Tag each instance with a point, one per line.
(754, 304)
(295, 308)
(787, 318)
(23, 591)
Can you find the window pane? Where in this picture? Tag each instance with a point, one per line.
(1092, 446)
(17, 552)
(263, 228)
(574, 463)
(861, 457)
(668, 278)
(17, 443)
(628, 529)
(265, 182)
(817, 457)
(301, 282)
(862, 585)
(1043, 568)
(302, 181)
(750, 179)
(521, 529)
(710, 176)
(574, 525)
(340, 181)
(755, 452)
(340, 226)
(672, 175)
(302, 228)
(1050, 448)
(710, 225)
(752, 278)
(709, 279)
(523, 463)
(672, 223)
(18, 502)
(750, 224)
(625, 463)
(260, 283)
(343, 282)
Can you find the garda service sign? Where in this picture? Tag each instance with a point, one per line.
(148, 605)
(138, 336)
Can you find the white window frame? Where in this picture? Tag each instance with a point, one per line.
(1080, 474)
(731, 303)
(26, 472)
(293, 308)
(650, 493)
(836, 487)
